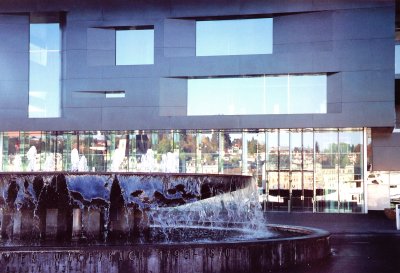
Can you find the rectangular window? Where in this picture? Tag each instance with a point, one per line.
(44, 70)
(234, 37)
(285, 94)
(135, 46)
(397, 59)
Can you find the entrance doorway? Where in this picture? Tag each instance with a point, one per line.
(289, 190)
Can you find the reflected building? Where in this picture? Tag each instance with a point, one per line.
(287, 93)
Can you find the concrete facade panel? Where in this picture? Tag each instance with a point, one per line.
(351, 4)
(73, 118)
(130, 117)
(14, 37)
(334, 89)
(193, 8)
(386, 159)
(282, 6)
(334, 108)
(15, 116)
(173, 92)
(14, 19)
(314, 27)
(363, 23)
(371, 54)
(100, 39)
(100, 57)
(76, 35)
(180, 33)
(324, 46)
(76, 66)
(174, 111)
(136, 9)
(204, 66)
(14, 95)
(367, 86)
(14, 66)
(117, 71)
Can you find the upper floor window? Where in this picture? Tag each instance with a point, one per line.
(135, 46)
(44, 67)
(397, 59)
(281, 94)
(234, 37)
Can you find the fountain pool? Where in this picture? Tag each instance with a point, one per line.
(141, 222)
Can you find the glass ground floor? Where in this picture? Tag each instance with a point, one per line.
(316, 170)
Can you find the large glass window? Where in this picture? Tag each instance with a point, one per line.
(284, 94)
(234, 37)
(300, 169)
(44, 70)
(135, 46)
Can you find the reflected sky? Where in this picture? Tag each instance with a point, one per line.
(44, 70)
(135, 47)
(287, 94)
(397, 59)
(234, 37)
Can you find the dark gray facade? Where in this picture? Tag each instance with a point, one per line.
(352, 41)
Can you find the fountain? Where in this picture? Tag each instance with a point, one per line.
(143, 222)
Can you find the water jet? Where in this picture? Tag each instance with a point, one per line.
(144, 222)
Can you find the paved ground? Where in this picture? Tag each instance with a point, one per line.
(365, 243)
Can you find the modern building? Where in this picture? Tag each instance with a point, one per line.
(300, 94)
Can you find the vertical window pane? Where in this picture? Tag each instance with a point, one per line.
(326, 170)
(187, 149)
(272, 150)
(232, 153)
(305, 94)
(276, 94)
(234, 37)
(44, 70)
(397, 59)
(255, 154)
(208, 149)
(296, 150)
(135, 47)
(350, 171)
(284, 153)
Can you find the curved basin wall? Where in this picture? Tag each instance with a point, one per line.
(101, 206)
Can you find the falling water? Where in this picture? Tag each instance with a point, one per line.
(126, 207)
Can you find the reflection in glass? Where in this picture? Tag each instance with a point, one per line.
(326, 170)
(44, 70)
(302, 89)
(234, 37)
(284, 153)
(308, 150)
(296, 157)
(187, 150)
(333, 182)
(272, 150)
(256, 155)
(273, 198)
(208, 149)
(284, 94)
(397, 59)
(134, 47)
(350, 170)
(232, 153)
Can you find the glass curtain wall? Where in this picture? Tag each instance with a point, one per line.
(317, 170)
